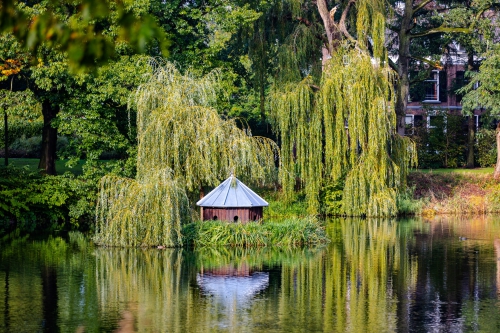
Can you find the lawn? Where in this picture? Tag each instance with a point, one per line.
(475, 171)
(32, 163)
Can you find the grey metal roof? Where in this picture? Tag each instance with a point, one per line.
(232, 193)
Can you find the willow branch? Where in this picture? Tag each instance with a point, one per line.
(342, 26)
(420, 6)
(441, 29)
(432, 63)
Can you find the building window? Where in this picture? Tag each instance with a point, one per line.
(409, 124)
(428, 89)
(436, 121)
(459, 83)
(413, 121)
(432, 88)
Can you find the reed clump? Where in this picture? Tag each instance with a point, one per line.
(290, 232)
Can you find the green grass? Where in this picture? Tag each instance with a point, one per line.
(32, 164)
(475, 171)
(294, 232)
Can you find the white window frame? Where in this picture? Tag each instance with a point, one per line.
(436, 114)
(435, 81)
(411, 122)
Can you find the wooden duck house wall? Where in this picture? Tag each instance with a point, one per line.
(237, 214)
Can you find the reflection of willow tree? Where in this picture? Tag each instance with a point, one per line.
(183, 145)
(149, 284)
(157, 287)
(347, 288)
(351, 287)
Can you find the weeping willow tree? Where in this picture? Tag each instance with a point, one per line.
(340, 127)
(183, 144)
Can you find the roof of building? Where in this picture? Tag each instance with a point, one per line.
(232, 193)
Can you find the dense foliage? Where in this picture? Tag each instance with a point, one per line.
(317, 77)
(31, 202)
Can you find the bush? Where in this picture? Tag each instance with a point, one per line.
(444, 144)
(406, 204)
(280, 209)
(27, 147)
(486, 147)
(19, 127)
(31, 202)
(331, 199)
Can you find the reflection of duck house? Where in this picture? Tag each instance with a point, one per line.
(232, 201)
(233, 290)
(229, 270)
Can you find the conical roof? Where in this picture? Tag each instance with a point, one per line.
(232, 193)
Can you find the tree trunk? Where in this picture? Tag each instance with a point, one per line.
(202, 195)
(49, 139)
(6, 129)
(470, 141)
(496, 175)
(332, 31)
(470, 124)
(403, 86)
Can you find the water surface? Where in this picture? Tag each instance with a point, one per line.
(375, 276)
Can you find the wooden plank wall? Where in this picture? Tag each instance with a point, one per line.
(228, 214)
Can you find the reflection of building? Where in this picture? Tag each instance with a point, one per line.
(232, 201)
(234, 287)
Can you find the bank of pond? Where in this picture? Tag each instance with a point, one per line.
(386, 275)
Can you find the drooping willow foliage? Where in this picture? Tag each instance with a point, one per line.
(183, 144)
(178, 129)
(141, 213)
(342, 128)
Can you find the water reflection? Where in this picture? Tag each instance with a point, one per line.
(497, 254)
(440, 275)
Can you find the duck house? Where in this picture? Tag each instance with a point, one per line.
(232, 201)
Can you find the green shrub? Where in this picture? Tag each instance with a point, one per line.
(443, 144)
(331, 199)
(280, 209)
(406, 204)
(486, 147)
(31, 202)
(32, 146)
(19, 127)
(27, 147)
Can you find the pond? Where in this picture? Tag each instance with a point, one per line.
(375, 276)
